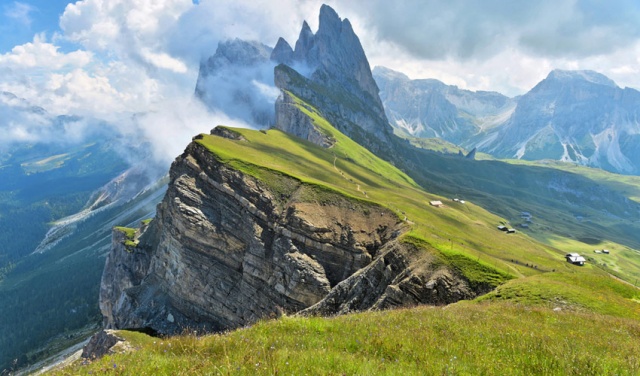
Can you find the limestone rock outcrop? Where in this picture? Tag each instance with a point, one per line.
(104, 342)
(226, 250)
(332, 73)
(282, 52)
(293, 121)
(402, 276)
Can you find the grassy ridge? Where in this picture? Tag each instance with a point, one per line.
(469, 228)
(581, 291)
(462, 233)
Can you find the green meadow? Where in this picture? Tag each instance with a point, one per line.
(467, 338)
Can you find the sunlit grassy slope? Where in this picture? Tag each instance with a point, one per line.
(462, 339)
(566, 227)
(545, 317)
(627, 184)
(348, 168)
(592, 232)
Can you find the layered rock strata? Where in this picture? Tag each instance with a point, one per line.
(227, 249)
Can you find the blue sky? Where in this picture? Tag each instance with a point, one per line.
(20, 20)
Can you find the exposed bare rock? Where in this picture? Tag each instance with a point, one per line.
(225, 251)
(226, 133)
(293, 121)
(125, 268)
(282, 53)
(305, 43)
(402, 276)
(103, 343)
(335, 77)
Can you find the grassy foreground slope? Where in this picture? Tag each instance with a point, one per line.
(545, 317)
(461, 339)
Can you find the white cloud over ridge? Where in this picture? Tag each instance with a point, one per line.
(478, 29)
(136, 68)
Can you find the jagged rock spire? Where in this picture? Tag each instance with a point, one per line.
(282, 52)
(304, 44)
(334, 59)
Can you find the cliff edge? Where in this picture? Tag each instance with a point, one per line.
(233, 243)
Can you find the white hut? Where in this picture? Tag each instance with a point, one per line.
(575, 259)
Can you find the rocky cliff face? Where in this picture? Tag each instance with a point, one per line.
(227, 249)
(293, 121)
(330, 71)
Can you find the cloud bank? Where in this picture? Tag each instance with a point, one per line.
(499, 44)
(135, 67)
(134, 64)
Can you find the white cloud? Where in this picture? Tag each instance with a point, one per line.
(62, 83)
(22, 122)
(499, 45)
(477, 29)
(163, 60)
(40, 54)
(120, 25)
(19, 12)
(170, 128)
(143, 56)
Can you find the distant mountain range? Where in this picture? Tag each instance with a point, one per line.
(429, 108)
(572, 116)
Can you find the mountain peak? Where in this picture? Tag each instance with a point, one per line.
(305, 28)
(334, 59)
(380, 71)
(580, 75)
(329, 19)
(305, 42)
(282, 52)
(239, 52)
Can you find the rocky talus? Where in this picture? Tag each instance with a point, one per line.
(227, 249)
